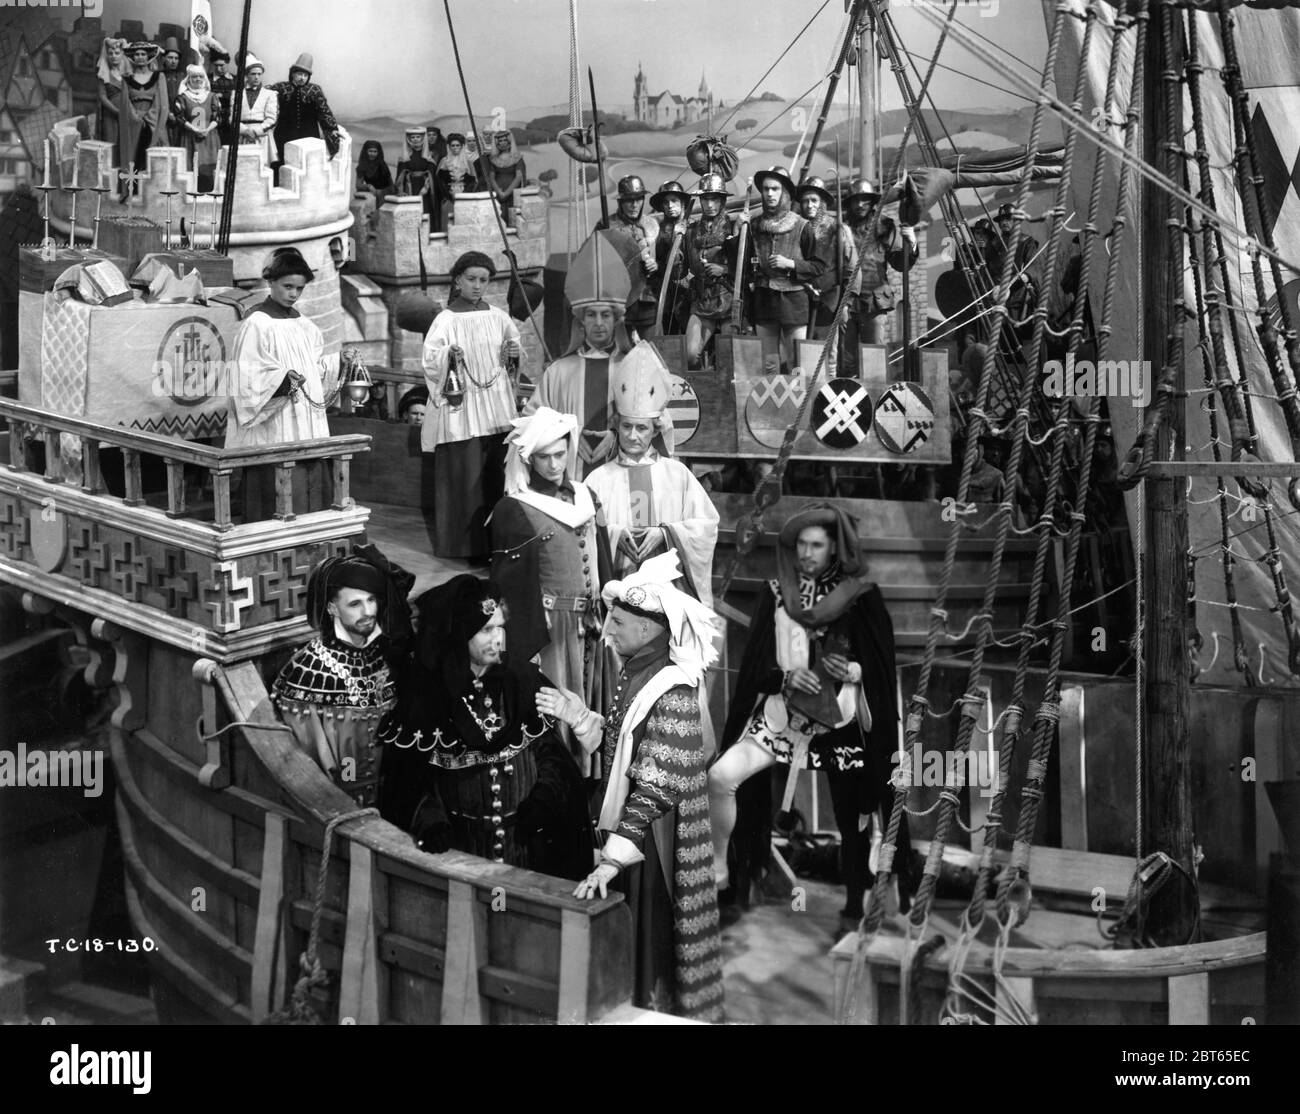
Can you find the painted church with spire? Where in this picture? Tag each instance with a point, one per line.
(667, 109)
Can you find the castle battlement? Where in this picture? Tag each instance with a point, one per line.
(390, 239)
(312, 199)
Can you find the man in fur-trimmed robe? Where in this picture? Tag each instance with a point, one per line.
(578, 383)
(653, 502)
(654, 813)
(333, 692)
(469, 761)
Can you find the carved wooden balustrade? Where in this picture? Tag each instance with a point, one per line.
(152, 542)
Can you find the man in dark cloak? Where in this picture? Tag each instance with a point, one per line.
(174, 76)
(304, 111)
(223, 92)
(817, 684)
(470, 763)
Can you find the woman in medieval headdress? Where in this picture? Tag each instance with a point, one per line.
(142, 121)
(195, 108)
(373, 175)
(456, 175)
(110, 71)
(506, 171)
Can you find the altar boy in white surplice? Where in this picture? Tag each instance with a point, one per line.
(282, 383)
(652, 502)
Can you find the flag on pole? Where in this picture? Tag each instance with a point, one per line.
(201, 32)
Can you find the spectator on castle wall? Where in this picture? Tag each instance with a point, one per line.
(174, 76)
(373, 175)
(415, 173)
(143, 122)
(111, 72)
(304, 111)
(259, 109)
(506, 172)
(456, 175)
(195, 108)
(223, 89)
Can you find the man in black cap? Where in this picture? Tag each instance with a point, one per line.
(223, 93)
(834, 244)
(470, 764)
(1024, 285)
(711, 247)
(672, 203)
(817, 684)
(877, 240)
(333, 692)
(635, 232)
(304, 111)
(173, 75)
(783, 263)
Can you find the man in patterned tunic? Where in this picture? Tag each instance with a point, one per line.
(333, 692)
(654, 813)
(550, 554)
(817, 684)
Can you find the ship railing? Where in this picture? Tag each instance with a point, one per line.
(73, 457)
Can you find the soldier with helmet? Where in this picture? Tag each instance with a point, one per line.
(673, 204)
(634, 232)
(783, 262)
(878, 242)
(710, 249)
(834, 244)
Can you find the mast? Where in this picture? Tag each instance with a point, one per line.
(1166, 768)
(868, 108)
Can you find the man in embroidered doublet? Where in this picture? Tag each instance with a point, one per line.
(333, 692)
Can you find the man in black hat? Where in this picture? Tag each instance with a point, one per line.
(783, 263)
(173, 75)
(223, 93)
(333, 692)
(877, 240)
(817, 684)
(470, 764)
(635, 232)
(834, 244)
(672, 203)
(304, 111)
(1024, 285)
(711, 247)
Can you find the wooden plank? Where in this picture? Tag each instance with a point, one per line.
(268, 962)
(221, 517)
(175, 489)
(167, 964)
(1161, 469)
(462, 1000)
(132, 478)
(1189, 999)
(410, 955)
(284, 472)
(518, 991)
(1074, 769)
(92, 476)
(205, 865)
(53, 457)
(1268, 767)
(575, 967)
(360, 977)
(342, 483)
